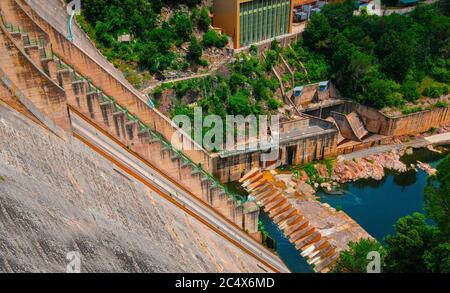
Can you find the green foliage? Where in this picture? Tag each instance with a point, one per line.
(383, 92)
(274, 104)
(204, 21)
(441, 104)
(411, 110)
(354, 260)
(418, 246)
(329, 168)
(272, 58)
(435, 91)
(378, 61)
(239, 104)
(410, 90)
(407, 247)
(437, 196)
(182, 25)
(253, 50)
(310, 170)
(153, 40)
(2, 178)
(213, 39)
(195, 50)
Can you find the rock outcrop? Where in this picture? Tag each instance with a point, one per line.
(370, 167)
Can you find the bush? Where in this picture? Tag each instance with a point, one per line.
(195, 50)
(203, 62)
(204, 21)
(440, 74)
(411, 110)
(435, 91)
(182, 25)
(310, 170)
(410, 91)
(253, 50)
(274, 104)
(213, 39)
(441, 104)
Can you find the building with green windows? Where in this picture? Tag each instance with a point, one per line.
(252, 21)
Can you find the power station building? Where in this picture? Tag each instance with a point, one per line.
(252, 21)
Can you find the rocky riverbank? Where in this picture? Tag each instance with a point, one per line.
(327, 175)
(372, 167)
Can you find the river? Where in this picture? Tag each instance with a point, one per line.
(375, 205)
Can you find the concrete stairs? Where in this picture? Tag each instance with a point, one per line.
(316, 248)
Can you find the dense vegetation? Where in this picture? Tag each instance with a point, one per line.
(247, 89)
(157, 43)
(417, 246)
(380, 61)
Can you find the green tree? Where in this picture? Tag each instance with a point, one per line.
(239, 104)
(195, 50)
(212, 38)
(410, 90)
(383, 92)
(318, 34)
(204, 21)
(437, 196)
(354, 260)
(406, 249)
(182, 25)
(274, 104)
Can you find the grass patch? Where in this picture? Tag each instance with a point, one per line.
(441, 104)
(415, 109)
(2, 178)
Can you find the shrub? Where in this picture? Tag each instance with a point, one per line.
(203, 62)
(441, 104)
(158, 92)
(310, 170)
(213, 39)
(195, 50)
(253, 50)
(274, 104)
(410, 91)
(204, 21)
(182, 25)
(435, 91)
(406, 111)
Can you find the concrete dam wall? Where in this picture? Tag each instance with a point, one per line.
(58, 196)
(60, 77)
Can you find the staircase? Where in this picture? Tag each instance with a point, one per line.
(314, 246)
(57, 88)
